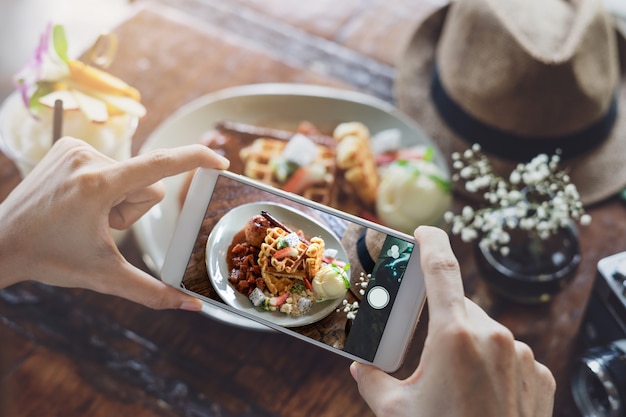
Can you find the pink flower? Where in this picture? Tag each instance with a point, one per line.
(48, 63)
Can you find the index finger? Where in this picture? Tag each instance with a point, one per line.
(151, 167)
(442, 275)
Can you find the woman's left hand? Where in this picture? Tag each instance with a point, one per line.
(56, 224)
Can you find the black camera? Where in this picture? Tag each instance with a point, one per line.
(599, 378)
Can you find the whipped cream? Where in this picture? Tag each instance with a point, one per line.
(26, 136)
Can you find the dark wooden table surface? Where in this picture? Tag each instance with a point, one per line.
(70, 352)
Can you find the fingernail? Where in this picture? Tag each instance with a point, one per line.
(191, 305)
(354, 370)
(224, 161)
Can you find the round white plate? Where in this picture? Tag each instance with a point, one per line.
(283, 103)
(222, 236)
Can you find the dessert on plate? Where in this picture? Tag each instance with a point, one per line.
(298, 165)
(371, 176)
(282, 270)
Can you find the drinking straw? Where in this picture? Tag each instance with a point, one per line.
(57, 121)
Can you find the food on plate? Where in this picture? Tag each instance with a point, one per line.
(331, 282)
(351, 169)
(276, 268)
(238, 142)
(281, 257)
(297, 165)
(97, 107)
(256, 229)
(412, 193)
(356, 160)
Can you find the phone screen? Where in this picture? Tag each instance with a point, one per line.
(316, 273)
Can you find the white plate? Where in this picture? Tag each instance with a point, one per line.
(222, 236)
(283, 103)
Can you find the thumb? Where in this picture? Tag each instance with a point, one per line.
(375, 386)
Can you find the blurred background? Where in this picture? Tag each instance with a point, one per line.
(21, 22)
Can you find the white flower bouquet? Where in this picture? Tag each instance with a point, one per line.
(536, 198)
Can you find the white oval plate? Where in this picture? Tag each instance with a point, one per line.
(284, 103)
(222, 236)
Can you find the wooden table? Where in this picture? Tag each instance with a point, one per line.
(74, 353)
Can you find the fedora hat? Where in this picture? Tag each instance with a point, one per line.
(520, 78)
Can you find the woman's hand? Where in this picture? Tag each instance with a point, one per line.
(56, 224)
(470, 366)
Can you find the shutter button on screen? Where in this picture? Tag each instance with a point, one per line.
(378, 297)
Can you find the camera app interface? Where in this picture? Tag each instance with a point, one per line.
(319, 275)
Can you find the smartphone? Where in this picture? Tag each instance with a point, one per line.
(332, 279)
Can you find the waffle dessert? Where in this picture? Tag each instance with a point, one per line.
(356, 161)
(280, 274)
(258, 164)
(313, 258)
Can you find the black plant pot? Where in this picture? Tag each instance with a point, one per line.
(534, 270)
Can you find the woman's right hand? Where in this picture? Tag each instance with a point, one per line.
(471, 365)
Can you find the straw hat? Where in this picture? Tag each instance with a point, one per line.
(523, 77)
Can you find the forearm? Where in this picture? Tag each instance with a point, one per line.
(12, 269)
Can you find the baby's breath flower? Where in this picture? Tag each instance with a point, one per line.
(511, 222)
(351, 309)
(536, 198)
(504, 238)
(468, 234)
(515, 177)
(466, 172)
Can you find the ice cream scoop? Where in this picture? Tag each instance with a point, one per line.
(330, 282)
(412, 193)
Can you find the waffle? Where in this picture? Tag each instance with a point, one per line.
(288, 266)
(313, 259)
(278, 274)
(356, 160)
(257, 156)
(278, 285)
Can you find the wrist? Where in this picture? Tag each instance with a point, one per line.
(10, 270)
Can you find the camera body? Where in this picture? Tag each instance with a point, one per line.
(599, 378)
